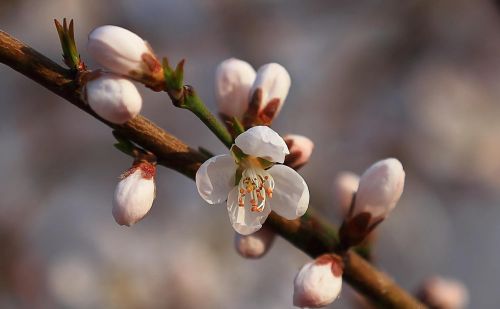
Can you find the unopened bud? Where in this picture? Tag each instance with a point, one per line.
(114, 98)
(233, 80)
(134, 194)
(318, 283)
(380, 188)
(441, 293)
(255, 245)
(272, 83)
(123, 52)
(344, 187)
(300, 148)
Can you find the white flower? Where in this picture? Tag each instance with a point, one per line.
(134, 194)
(301, 149)
(252, 183)
(318, 283)
(236, 84)
(444, 293)
(233, 80)
(120, 50)
(380, 188)
(274, 82)
(344, 187)
(256, 245)
(114, 98)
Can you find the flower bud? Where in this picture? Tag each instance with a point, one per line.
(122, 51)
(318, 283)
(134, 194)
(344, 187)
(380, 188)
(272, 83)
(300, 148)
(255, 245)
(443, 293)
(233, 80)
(114, 98)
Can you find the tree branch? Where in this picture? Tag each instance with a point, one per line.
(308, 233)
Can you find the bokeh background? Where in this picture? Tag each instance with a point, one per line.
(417, 80)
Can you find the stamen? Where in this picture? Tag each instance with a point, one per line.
(258, 185)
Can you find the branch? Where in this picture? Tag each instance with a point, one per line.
(308, 233)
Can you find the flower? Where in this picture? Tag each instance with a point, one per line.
(318, 283)
(233, 80)
(134, 194)
(273, 82)
(253, 97)
(301, 149)
(251, 181)
(344, 187)
(256, 245)
(380, 188)
(122, 51)
(114, 98)
(444, 293)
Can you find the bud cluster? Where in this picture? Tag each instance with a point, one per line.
(124, 55)
(255, 98)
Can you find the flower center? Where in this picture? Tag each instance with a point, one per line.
(255, 186)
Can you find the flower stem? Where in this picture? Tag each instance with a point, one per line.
(193, 103)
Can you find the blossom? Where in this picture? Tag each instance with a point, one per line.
(122, 51)
(134, 194)
(318, 283)
(256, 245)
(380, 188)
(344, 187)
(301, 149)
(254, 97)
(445, 293)
(114, 98)
(252, 181)
(233, 80)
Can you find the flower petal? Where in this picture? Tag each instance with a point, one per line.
(263, 142)
(215, 178)
(244, 220)
(291, 194)
(233, 80)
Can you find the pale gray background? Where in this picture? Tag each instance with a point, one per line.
(417, 80)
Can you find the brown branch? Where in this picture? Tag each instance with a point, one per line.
(308, 233)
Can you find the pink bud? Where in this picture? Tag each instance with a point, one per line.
(300, 148)
(233, 80)
(318, 283)
(119, 50)
(442, 293)
(114, 98)
(134, 194)
(274, 82)
(380, 188)
(344, 187)
(255, 245)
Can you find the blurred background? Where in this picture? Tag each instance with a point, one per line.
(416, 80)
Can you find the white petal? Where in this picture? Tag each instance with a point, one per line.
(215, 178)
(233, 80)
(344, 187)
(244, 220)
(256, 245)
(114, 98)
(117, 49)
(274, 81)
(133, 198)
(315, 286)
(291, 194)
(262, 141)
(380, 188)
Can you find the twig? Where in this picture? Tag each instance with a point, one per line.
(308, 233)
